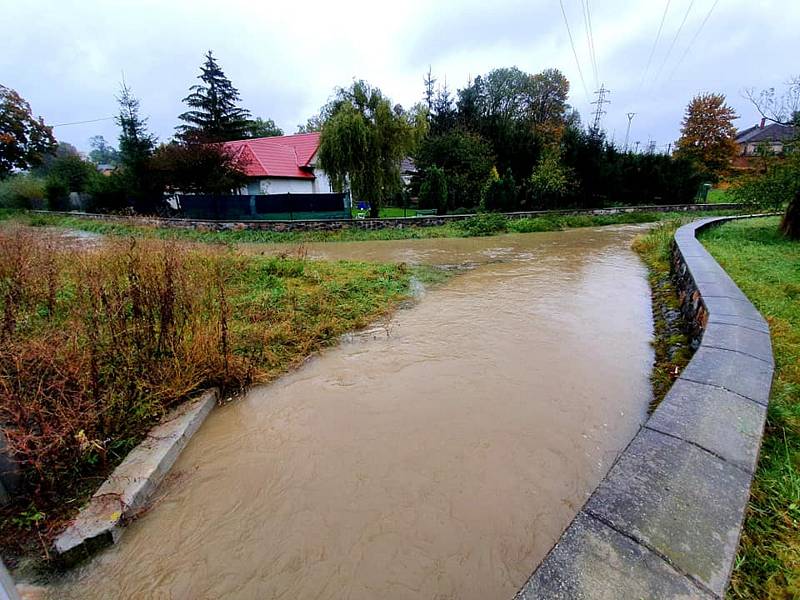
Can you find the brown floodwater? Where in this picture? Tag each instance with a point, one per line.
(437, 455)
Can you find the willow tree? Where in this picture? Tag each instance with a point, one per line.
(363, 141)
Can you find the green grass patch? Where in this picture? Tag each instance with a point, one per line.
(719, 196)
(766, 266)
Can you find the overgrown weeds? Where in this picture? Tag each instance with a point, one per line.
(96, 345)
(671, 342)
(483, 224)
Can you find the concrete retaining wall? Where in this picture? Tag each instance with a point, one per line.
(665, 521)
(370, 224)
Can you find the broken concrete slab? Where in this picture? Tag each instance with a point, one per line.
(680, 502)
(721, 422)
(739, 373)
(592, 561)
(132, 483)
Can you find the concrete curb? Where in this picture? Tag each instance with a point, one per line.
(100, 522)
(369, 224)
(665, 521)
(8, 591)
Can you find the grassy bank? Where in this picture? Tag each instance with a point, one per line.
(487, 224)
(670, 343)
(767, 268)
(97, 344)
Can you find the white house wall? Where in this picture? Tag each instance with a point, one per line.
(277, 185)
(322, 183)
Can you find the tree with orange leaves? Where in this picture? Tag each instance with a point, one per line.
(708, 135)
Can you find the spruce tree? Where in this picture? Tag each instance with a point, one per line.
(214, 115)
(136, 146)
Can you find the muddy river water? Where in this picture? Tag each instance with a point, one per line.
(438, 455)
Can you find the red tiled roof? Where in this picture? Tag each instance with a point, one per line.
(278, 156)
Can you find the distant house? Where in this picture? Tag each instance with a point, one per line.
(773, 137)
(282, 164)
(408, 169)
(106, 169)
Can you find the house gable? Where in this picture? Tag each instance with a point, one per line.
(286, 156)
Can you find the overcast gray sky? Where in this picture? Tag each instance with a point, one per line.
(66, 57)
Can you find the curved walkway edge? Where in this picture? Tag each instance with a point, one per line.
(665, 521)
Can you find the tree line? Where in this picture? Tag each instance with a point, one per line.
(508, 140)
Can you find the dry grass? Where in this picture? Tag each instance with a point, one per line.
(96, 345)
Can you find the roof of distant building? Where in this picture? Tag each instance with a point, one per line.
(774, 132)
(407, 166)
(278, 156)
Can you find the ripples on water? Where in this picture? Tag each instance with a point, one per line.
(439, 456)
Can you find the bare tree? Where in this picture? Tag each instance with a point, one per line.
(784, 108)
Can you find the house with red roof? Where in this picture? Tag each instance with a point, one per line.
(282, 164)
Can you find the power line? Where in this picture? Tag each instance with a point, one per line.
(674, 39)
(655, 44)
(574, 53)
(589, 40)
(83, 122)
(692, 41)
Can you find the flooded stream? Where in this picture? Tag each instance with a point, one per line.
(438, 455)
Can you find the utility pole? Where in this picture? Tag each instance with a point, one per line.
(599, 112)
(669, 149)
(630, 116)
(637, 147)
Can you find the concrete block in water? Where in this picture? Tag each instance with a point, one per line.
(132, 483)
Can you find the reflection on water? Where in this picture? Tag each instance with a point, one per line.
(438, 457)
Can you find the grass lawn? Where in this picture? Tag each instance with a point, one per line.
(488, 224)
(97, 344)
(389, 212)
(718, 196)
(766, 267)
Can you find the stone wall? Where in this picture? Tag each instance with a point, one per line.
(665, 521)
(371, 224)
